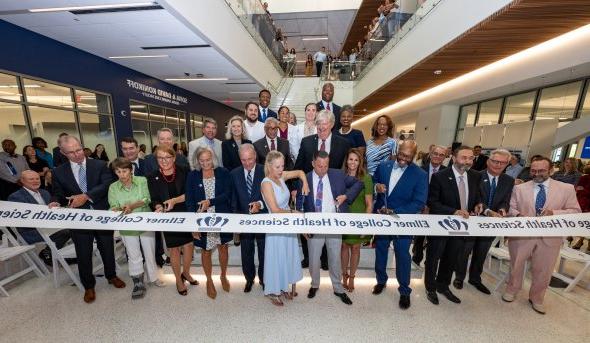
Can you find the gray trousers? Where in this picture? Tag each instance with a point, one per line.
(333, 246)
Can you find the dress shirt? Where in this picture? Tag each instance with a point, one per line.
(514, 170)
(36, 195)
(18, 162)
(326, 105)
(253, 171)
(276, 139)
(431, 171)
(328, 203)
(466, 180)
(134, 164)
(320, 56)
(261, 112)
(536, 189)
(328, 143)
(76, 171)
(396, 175)
(254, 131)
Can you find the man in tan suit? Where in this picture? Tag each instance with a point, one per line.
(541, 196)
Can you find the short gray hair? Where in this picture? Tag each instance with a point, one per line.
(199, 152)
(209, 120)
(325, 115)
(246, 146)
(347, 108)
(502, 152)
(68, 138)
(164, 129)
(271, 120)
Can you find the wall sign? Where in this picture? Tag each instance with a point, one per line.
(156, 93)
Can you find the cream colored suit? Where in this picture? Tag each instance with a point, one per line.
(543, 251)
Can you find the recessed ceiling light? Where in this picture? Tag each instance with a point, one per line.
(437, 72)
(200, 79)
(315, 38)
(15, 86)
(137, 56)
(90, 7)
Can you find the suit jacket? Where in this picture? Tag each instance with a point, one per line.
(151, 164)
(141, 171)
(443, 194)
(340, 184)
(339, 147)
(262, 149)
(58, 157)
(240, 198)
(98, 178)
(503, 192)
(561, 198)
(195, 191)
(480, 163)
(336, 110)
(269, 113)
(230, 155)
(426, 167)
(159, 188)
(23, 196)
(410, 192)
(201, 142)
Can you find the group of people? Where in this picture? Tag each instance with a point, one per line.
(267, 165)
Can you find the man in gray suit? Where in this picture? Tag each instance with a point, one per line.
(208, 140)
(331, 190)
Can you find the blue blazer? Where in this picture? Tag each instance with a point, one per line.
(269, 113)
(340, 184)
(23, 196)
(410, 193)
(141, 171)
(98, 176)
(240, 198)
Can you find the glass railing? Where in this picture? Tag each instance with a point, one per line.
(392, 25)
(261, 27)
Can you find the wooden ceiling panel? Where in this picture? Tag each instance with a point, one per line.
(518, 26)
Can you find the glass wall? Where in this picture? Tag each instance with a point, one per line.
(147, 119)
(519, 107)
(31, 108)
(585, 111)
(489, 112)
(559, 102)
(196, 125)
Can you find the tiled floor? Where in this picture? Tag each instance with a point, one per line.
(36, 311)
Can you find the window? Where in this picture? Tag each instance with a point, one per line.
(489, 112)
(519, 107)
(585, 110)
(44, 93)
(49, 123)
(98, 129)
(140, 124)
(468, 113)
(13, 125)
(9, 89)
(559, 102)
(92, 102)
(196, 125)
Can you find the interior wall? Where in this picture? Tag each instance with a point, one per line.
(436, 126)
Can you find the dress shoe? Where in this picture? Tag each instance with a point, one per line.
(325, 266)
(312, 292)
(417, 259)
(248, 286)
(345, 299)
(304, 263)
(480, 287)
(404, 302)
(432, 297)
(116, 282)
(449, 295)
(507, 297)
(458, 284)
(89, 295)
(539, 308)
(378, 288)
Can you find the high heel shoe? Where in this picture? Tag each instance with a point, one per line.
(184, 292)
(194, 282)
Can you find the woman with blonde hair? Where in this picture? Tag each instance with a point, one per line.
(235, 136)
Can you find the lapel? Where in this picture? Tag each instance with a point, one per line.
(453, 186)
(486, 185)
(388, 171)
(551, 199)
(244, 184)
(69, 174)
(402, 178)
(315, 142)
(332, 179)
(311, 196)
(28, 197)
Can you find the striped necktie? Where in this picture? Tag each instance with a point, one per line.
(492, 192)
(82, 182)
(249, 183)
(319, 196)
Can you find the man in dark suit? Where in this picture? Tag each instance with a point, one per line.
(58, 157)
(496, 189)
(327, 104)
(31, 193)
(166, 138)
(272, 142)
(247, 199)
(401, 187)
(479, 160)
(331, 190)
(130, 150)
(84, 183)
(453, 191)
(437, 154)
(263, 101)
(336, 146)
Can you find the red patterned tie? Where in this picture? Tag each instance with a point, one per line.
(323, 146)
(328, 106)
(272, 145)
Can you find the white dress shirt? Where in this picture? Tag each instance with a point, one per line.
(326, 105)
(254, 131)
(328, 204)
(268, 141)
(396, 175)
(465, 179)
(328, 143)
(37, 196)
(320, 57)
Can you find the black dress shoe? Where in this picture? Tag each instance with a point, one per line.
(417, 259)
(325, 266)
(304, 264)
(480, 287)
(345, 299)
(404, 302)
(312, 292)
(432, 297)
(248, 287)
(378, 288)
(458, 284)
(449, 295)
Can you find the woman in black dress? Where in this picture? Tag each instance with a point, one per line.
(167, 188)
(235, 137)
(100, 153)
(35, 163)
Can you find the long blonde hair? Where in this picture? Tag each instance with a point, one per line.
(270, 158)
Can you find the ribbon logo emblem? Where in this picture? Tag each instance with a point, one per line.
(212, 223)
(454, 226)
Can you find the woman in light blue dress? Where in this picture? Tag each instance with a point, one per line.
(282, 261)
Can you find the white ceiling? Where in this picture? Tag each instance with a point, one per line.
(124, 33)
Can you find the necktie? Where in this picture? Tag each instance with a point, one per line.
(272, 145)
(492, 192)
(323, 146)
(135, 168)
(540, 200)
(12, 168)
(319, 196)
(249, 183)
(82, 182)
(264, 114)
(434, 170)
(328, 106)
(462, 192)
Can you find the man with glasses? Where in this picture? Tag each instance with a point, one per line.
(401, 188)
(453, 191)
(495, 188)
(542, 196)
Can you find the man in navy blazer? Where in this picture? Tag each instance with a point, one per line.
(264, 101)
(331, 190)
(130, 150)
(31, 193)
(401, 187)
(247, 199)
(327, 104)
(84, 183)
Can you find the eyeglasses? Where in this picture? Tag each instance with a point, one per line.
(498, 162)
(404, 156)
(436, 154)
(167, 158)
